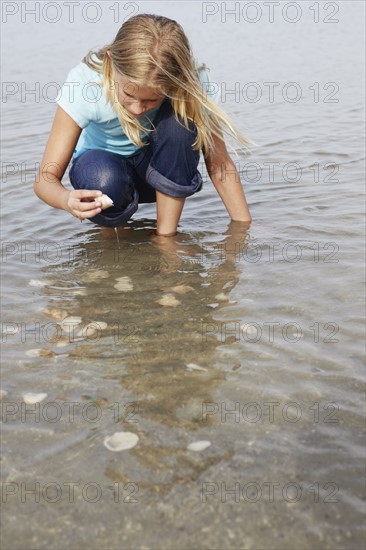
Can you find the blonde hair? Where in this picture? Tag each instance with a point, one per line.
(153, 51)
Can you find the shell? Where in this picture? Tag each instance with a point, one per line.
(179, 289)
(124, 284)
(105, 201)
(32, 398)
(199, 445)
(121, 441)
(168, 300)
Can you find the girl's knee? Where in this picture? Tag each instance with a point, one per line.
(99, 170)
(171, 129)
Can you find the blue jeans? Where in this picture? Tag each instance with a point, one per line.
(167, 164)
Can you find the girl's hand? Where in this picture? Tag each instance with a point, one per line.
(83, 203)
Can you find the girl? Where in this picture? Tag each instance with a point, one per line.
(134, 117)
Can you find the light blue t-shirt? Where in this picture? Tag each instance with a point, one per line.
(84, 100)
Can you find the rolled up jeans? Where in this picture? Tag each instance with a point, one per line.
(167, 164)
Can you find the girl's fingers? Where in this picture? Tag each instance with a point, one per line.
(85, 194)
(87, 206)
(89, 213)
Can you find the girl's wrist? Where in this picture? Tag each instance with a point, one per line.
(65, 200)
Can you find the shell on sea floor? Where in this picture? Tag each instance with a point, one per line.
(121, 441)
(105, 201)
(81, 291)
(95, 275)
(179, 289)
(32, 398)
(249, 329)
(55, 312)
(70, 321)
(199, 445)
(193, 366)
(123, 284)
(224, 298)
(168, 300)
(100, 325)
(37, 282)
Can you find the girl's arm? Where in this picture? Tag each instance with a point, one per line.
(168, 212)
(57, 155)
(226, 180)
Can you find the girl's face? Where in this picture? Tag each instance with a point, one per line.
(137, 100)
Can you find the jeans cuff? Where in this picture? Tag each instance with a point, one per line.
(168, 187)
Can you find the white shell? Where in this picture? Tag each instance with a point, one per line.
(99, 325)
(168, 300)
(222, 296)
(55, 312)
(70, 321)
(33, 352)
(121, 441)
(106, 201)
(96, 274)
(193, 366)
(249, 329)
(32, 398)
(199, 445)
(36, 282)
(180, 289)
(124, 284)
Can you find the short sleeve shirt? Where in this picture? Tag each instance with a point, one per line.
(83, 98)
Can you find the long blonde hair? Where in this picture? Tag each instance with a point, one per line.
(153, 51)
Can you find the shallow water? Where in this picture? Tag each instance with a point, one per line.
(258, 348)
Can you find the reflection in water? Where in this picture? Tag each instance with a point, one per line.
(163, 356)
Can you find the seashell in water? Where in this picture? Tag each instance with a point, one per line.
(32, 398)
(249, 329)
(55, 312)
(222, 296)
(63, 343)
(79, 291)
(180, 289)
(193, 366)
(105, 201)
(168, 300)
(199, 445)
(124, 284)
(70, 321)
(99, 325)
(40, 352)
(96, 275)
(225, 298)
(121, 441)
(36, 282)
